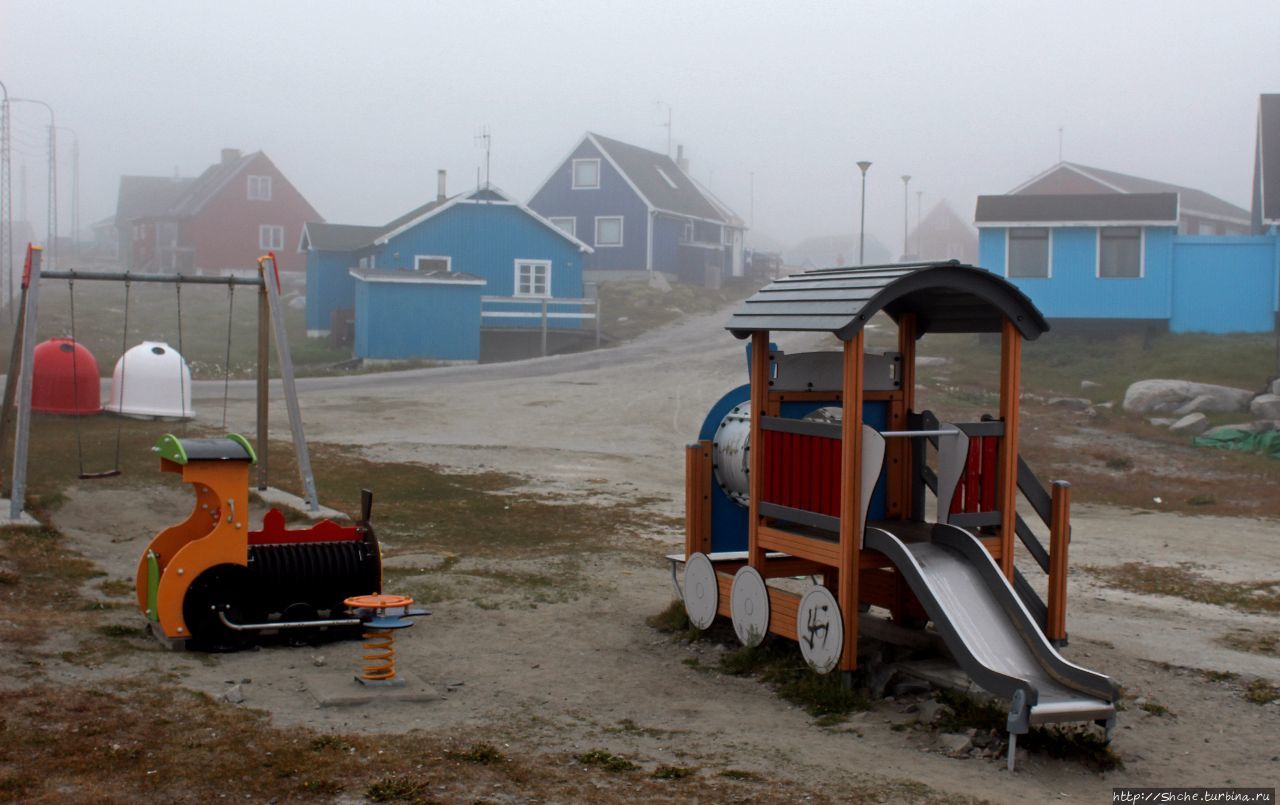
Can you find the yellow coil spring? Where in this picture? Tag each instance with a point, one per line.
(380, 661)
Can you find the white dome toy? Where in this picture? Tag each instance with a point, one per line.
(151, 380)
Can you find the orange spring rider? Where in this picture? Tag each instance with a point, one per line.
(381, 616)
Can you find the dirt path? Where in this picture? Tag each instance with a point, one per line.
(588, 673)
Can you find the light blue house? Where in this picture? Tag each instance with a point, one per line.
(455, 254)
(1089, 245)
(641, 211)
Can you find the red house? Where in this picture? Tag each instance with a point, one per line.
(221, 221)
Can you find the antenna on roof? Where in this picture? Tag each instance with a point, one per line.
(1059, 143)
(483, 136)
(666, 125)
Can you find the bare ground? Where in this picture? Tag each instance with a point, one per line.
(580, 671)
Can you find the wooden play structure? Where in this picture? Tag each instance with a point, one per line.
(212, 582)
(822, 466)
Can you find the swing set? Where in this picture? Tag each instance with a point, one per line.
(18, 382)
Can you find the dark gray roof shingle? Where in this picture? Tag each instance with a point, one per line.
(946, 298)
(1100, 207)
(147, 196)
(340, 237)
(646, 169)
(1192, 200)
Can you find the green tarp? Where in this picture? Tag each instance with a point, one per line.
(1266, 442)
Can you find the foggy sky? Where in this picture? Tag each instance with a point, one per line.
(360, 103)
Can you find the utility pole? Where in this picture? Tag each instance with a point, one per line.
(919, 203)
(906, 179)
(667, 125)
(1059, 143)
(52, 223)
(487, 140)
(862, 213)
(752, 213)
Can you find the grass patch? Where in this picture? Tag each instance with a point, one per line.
(665, 772)
(1264, 643)
(1156, 709)
(396, 788)
(606, 760)
(631, 308)
(42, 595)
(1260, 691)
(1181, 581)
(482, 753)
(741, 776)
(121, 630)
(674, 621)
(1202, 500)
(780, 664)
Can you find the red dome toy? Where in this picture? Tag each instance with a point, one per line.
(65, 380)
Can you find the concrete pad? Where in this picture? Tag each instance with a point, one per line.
(279, 497)
(23, 520)
(334, 688)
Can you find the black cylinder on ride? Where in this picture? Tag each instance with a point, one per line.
(319, 574)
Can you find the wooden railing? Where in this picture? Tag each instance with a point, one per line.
(544, 310)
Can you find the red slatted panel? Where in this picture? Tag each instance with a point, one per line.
(802, 472)
(990, 472)
(972, 474)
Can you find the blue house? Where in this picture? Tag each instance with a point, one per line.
(1092, 245)
(641, 211)
(427, 269)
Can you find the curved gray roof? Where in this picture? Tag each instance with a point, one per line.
(946, 297)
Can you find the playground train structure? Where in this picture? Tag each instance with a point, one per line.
(821, 466)
(211, 583)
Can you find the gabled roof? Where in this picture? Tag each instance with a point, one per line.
(336, 237)
(1196, 202)
(1076, 209)
(490, 194)
(1266, 178)
(147, 196)
(417, 277)
(946, 297)
(660, 182)
(208, 184)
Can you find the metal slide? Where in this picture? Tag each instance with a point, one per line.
(992, 635)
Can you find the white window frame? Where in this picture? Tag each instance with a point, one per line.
(255, 188)
(448, 261)
(515, 288)
(621, 229)
(573, 178)
(573, 224)
(1008, 240)
(1142, 255)
(267, 239)
(687, 231)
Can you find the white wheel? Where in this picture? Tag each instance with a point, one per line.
(820, 629)
(701, 591)
(749, 605)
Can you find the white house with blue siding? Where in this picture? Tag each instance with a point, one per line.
(641, 211)
(1089, 245)
(428, 269)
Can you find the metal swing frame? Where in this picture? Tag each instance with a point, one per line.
(270, 322)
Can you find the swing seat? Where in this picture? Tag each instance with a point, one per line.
(93, 476)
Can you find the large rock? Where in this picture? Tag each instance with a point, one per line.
(1190, 425)
(1170, 396)
(1265, 406)
(1275, 386)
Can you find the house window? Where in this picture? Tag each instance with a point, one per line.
(1120, 252)
(270, 237)
(609, 230)
(568, 224)
(726, 235)
(533, 278)
(686, 232)
(1028, 252)
(586, 174)
(259, 188)
(432, 262)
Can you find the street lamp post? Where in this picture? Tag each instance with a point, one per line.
(862, 212)
(906, 179)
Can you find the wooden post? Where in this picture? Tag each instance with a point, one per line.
(755, 459)
(544, 327)
(898, 487)
(22, 435)
(264, 379)
(697, 498)
(851, 525)
(1007, 492)
(1059, 537)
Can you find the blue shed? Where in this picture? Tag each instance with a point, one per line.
(523, 260)
(407, 315)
